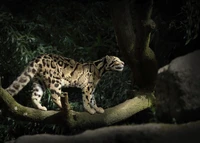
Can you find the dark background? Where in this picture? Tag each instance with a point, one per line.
(83, 30)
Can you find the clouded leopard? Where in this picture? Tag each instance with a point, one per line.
(55, 72)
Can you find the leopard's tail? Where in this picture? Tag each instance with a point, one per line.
(22, 80)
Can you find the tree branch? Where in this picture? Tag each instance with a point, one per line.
(74, 119)
(148, 133)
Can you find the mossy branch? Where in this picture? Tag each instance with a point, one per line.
(74, 119)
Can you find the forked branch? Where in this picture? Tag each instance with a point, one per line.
(74, 119)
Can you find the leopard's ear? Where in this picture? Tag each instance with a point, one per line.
(107, 58)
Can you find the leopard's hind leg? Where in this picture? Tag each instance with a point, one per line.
(56, 94)
(37, 95)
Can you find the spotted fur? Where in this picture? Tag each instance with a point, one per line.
(56, 72)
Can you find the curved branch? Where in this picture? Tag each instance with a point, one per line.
(148, 133)
(76, 119)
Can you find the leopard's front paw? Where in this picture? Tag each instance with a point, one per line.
(91, 111)
(43, 108)
(100, 110)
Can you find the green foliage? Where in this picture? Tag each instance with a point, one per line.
(52, 28)
(113, 88)
(191, 10)
(11, 129)
(190, 20)
(78, 30)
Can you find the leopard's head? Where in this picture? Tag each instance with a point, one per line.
(114, 63)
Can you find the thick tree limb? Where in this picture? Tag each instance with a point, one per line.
(74, 119)
(147, 133)
(133, 31)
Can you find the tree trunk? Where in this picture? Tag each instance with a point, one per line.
(134, 41)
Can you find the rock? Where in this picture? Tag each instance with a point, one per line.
(178, 89)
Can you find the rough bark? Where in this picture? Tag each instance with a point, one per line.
(74, 119)
(133, 36)
(148, 133)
